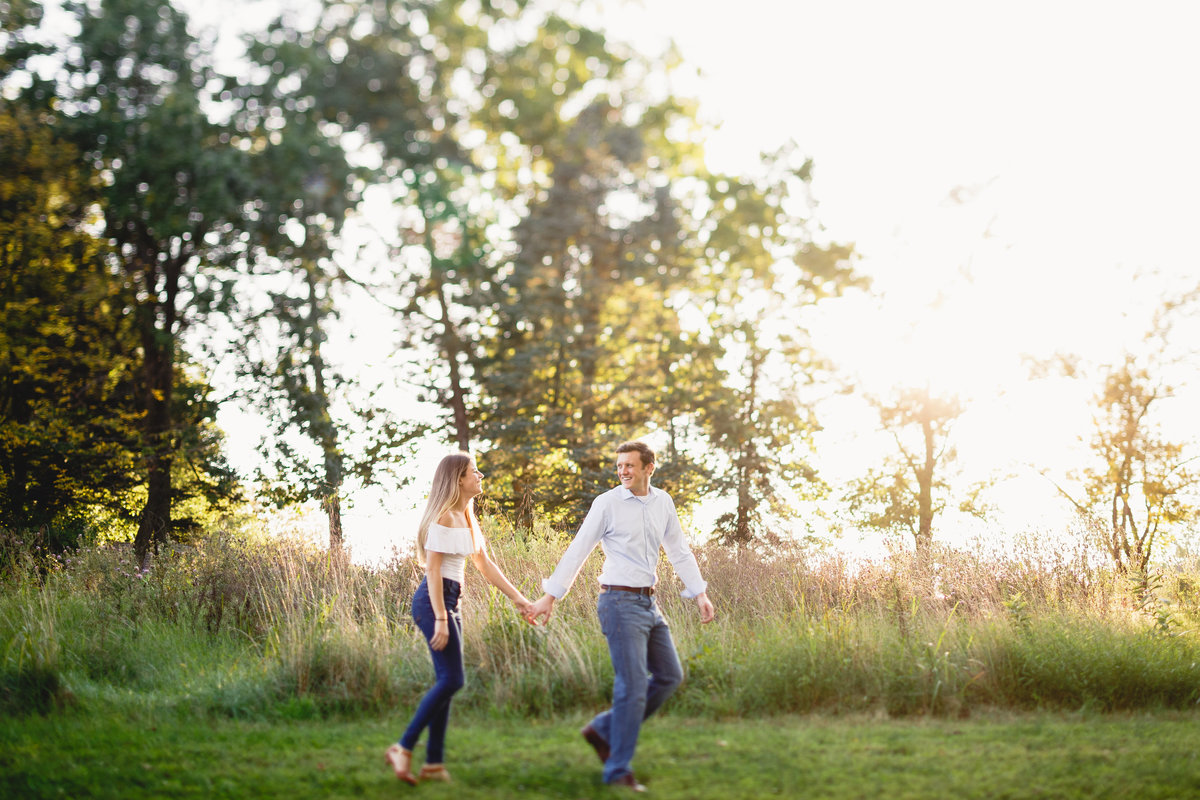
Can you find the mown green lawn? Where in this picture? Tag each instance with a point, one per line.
(1144, 755)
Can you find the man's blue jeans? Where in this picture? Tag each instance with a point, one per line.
(434, 710)
(647, 672)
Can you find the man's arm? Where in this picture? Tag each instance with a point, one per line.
(681, 557)
(559, 583)
(585, 541)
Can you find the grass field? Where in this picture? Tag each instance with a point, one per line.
(1001, 755)
(247, 667)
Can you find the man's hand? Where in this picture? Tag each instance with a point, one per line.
(542, 607)
(707, 612)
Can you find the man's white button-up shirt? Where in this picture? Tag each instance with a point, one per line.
(630, 530)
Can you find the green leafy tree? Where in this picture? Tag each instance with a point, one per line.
(70, 421)
(449, 98)
(583, 313)
(360, 79)
(68, 426)
(758, 269)
(172, 193)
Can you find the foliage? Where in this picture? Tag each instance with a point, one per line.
(909, 490)
(1141, 485)
(68, 421)
(311, 94)
(166, 183)
(531, 227)
(71, 436)
(755, 291)
(583, 315)
(1144, 479)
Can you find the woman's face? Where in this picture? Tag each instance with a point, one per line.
(471, 482)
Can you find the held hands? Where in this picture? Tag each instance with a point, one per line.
(541, 609)
(523, 605)
(707, 612)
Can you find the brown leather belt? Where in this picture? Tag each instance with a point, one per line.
(646, 590)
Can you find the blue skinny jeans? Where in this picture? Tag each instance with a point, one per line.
(434, 709)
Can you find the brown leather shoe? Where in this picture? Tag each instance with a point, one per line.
(629, 782)
(596, 741)
(400, 760)
(434, 772)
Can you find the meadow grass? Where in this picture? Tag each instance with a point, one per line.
(240, 665)
(239, 626)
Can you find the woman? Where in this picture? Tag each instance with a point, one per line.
(448, 534)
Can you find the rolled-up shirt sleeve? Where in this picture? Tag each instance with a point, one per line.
(585, 541)
(681, 557)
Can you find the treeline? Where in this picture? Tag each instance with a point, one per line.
(560, 263)
(521, 196)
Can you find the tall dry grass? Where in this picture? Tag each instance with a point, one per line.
(249, 625)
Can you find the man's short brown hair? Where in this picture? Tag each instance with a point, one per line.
(641, 448)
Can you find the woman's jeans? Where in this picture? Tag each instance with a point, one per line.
(434, 710)
(646, 668)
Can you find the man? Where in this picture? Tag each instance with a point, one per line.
(630, 523)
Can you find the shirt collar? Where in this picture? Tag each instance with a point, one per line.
(627, 494)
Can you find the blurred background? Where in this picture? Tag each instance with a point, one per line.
(867, 276)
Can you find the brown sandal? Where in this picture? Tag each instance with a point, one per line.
(434, 772)
(400, 760)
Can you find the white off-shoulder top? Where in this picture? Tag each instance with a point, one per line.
(454, 544)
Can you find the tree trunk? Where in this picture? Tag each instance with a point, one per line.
(323, 427)
(331, 501)
(451, 347)
(333, 509)
(156, 322)
(924, 539)
(743, 531)
(591, 472)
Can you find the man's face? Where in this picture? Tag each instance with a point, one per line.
(633, 474)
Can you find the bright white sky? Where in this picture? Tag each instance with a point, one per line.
(1074, 125)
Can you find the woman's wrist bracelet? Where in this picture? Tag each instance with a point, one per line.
(440, 619)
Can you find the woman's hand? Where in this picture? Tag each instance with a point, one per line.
(441, 634)
(523, 605)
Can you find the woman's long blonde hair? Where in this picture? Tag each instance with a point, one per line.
(443, 495)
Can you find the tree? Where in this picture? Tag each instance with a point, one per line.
(909, 489)
(1142, 481)
(758, 269)
(172, 194)
(68, 432)
(414, 81)
(1144, 478)
(465, 96)
(359, 80)
(583, 311)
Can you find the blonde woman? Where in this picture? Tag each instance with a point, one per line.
(448, 534)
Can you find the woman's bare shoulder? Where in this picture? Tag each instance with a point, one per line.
(453, 519)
